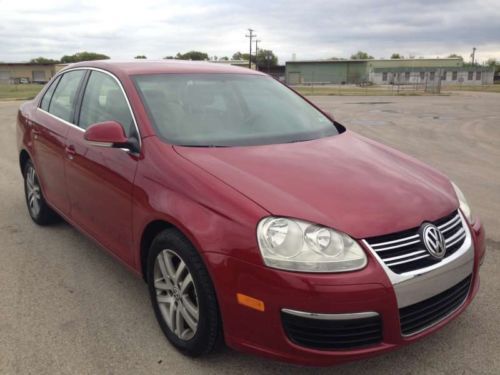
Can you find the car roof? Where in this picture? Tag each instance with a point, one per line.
(138, 67)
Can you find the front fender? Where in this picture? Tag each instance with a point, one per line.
(212, 215)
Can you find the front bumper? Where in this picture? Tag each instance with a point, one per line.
(368, 290)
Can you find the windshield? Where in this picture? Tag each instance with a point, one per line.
(228, 110)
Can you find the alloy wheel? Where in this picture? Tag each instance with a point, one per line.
(176, 294)
(33, 192)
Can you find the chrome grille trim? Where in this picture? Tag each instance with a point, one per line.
(450, 224)
(419, 284)
(377, 248)
(408, 253)
(457, 240)
(404, 256)
(408, 260)
(459, 234)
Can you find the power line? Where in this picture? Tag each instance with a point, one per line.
(251, 36)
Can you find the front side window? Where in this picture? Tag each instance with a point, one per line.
(45, 103)
(63, 100)
(229, 110)
(104, 101)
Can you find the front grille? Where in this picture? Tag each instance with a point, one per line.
(415, 318)
(404, 251)
(332, 334)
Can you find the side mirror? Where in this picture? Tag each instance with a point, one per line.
(109, 134)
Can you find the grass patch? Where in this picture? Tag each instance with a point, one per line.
(388, 90)
(481, 88)
(359, 91)
(19, 92)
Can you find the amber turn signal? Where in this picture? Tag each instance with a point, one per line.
(251, 302)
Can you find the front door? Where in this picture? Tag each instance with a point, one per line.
(100, 180)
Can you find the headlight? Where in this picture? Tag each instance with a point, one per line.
(296, 245)
(464, 206)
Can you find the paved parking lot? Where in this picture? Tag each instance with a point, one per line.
(68, 307)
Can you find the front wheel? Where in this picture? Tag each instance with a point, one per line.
(182, 294)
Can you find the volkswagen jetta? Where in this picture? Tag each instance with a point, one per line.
(254, 217)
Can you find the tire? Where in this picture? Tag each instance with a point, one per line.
(38, 208)
(184, 301)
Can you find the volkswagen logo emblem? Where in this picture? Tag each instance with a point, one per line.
(433, 240)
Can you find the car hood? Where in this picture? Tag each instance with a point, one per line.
(346, 182)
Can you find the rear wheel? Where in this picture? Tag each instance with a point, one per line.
(38, 209)
(182, 294)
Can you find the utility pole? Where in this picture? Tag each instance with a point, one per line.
(251, 36)
(473, 54)
(257, 41)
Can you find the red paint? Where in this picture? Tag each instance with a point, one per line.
(106, 132)
(216, 197)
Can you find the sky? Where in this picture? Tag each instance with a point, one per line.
(306, 29)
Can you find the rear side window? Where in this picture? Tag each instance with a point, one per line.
(104, 101)
(48, 95)
(63, 100)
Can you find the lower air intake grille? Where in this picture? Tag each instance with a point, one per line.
(417, 317)
(332, 334)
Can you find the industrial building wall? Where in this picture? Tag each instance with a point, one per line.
(469, 77)
(415, 63)
(335, 72)
(12, 73)
(420, 76)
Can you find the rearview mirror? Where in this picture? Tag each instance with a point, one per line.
(109, 134)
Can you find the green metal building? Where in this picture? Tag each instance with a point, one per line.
(327, 71)
(356, 71)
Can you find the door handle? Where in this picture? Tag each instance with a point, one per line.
(35, 133)
(70, 151)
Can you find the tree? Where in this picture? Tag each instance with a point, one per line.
(43, 60)
(266, 58)
(454, 55)
(140, 57)
(360, 55)
(241, 56)
(396, 56)
(224, 58)
(492, 62)
(83, 56)
(192, 55)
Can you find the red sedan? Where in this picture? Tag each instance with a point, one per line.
(254, 217)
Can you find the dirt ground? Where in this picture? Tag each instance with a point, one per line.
(68, 307)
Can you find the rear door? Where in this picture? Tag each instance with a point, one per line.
(50, 124)
(100, 180)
